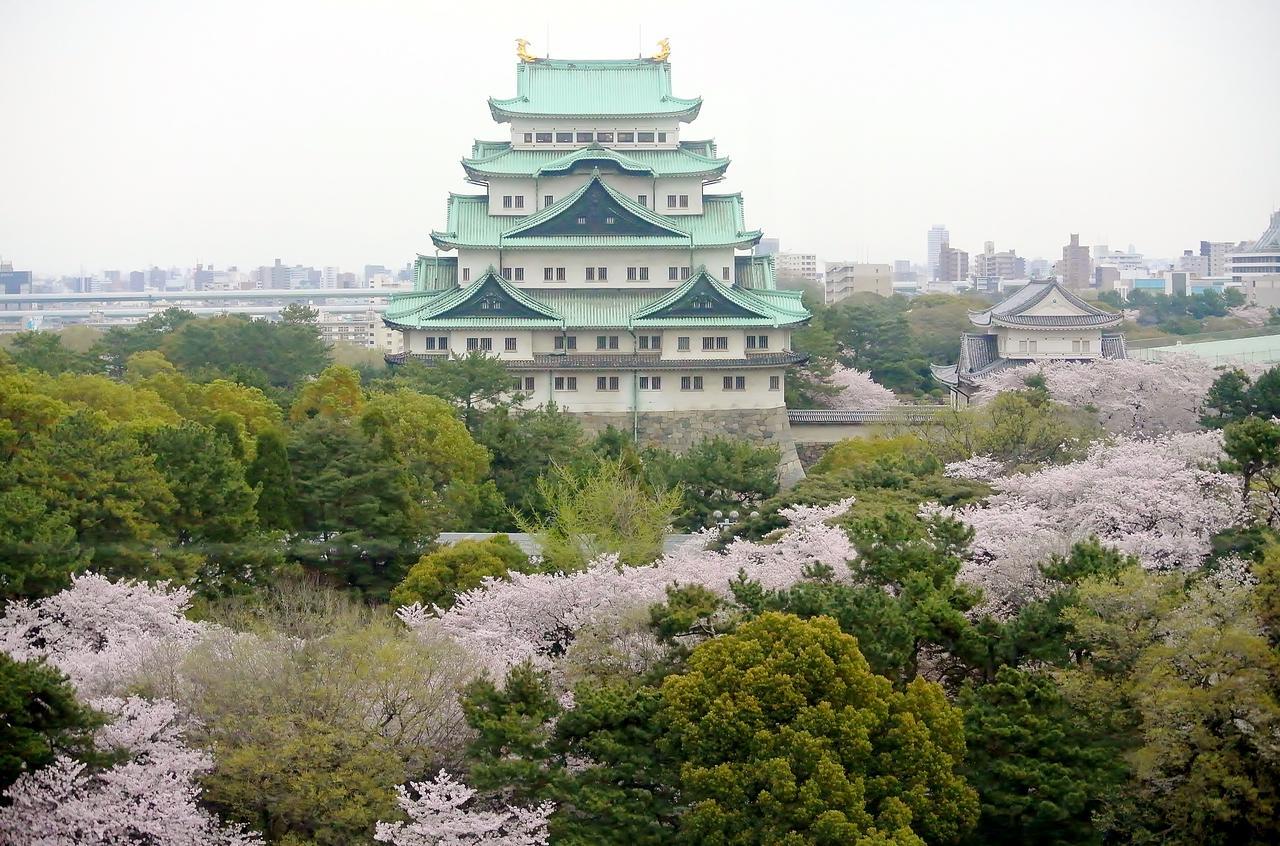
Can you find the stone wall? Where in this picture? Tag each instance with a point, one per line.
(679, 430)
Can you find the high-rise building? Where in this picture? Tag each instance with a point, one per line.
(1003, 265)
(953, 264)
(1075, 268)
(1257, 266)
(601, 272)
(797, 266)
(844, 279)
(1192, 263)
(137, 280)
(938, 236)
(1218, 254)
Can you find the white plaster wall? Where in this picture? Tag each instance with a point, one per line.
(1055, 306)
(670, 398)
(519, 126)
(475, 263)
(503, 187)
(1049, 344)
(575, 263)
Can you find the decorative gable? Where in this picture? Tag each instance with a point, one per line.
(701, 297)
(594, 210)
(490, 296)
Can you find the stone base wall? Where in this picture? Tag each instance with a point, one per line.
(680, 430)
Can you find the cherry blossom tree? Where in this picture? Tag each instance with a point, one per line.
(537, 617)
(857, 390)
(99, 632)
(1131, 396)
(1159, 499)
(150, 796)
(437, 818)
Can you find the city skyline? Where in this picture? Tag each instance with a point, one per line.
(151, 134)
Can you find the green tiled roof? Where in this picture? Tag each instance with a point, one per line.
(455, 307)
(721, 224)
(593, 88)
(591, 308)
(726, 306)
(754, 272)
(435, 273)
(497, 158)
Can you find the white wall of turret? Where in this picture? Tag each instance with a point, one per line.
(529, 268)
(697, 343)
(660, 390)
(1046, 344)
(570, 133)
(517, 196)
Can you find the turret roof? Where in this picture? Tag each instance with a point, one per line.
(1012, 310)
(594, 88)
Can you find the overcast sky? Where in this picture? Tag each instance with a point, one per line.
(228, 132)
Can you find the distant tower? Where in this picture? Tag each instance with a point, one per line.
(938, 236)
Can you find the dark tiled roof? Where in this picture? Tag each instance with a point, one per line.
(549, 361)
(1010, 309)
(1113, 346)
(1057, 319)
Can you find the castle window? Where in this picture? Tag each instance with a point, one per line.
(548, 200)
(591, 274)
(466, 274)
(559, 274)
(608, 220)
(673, 273)
(529, 383)
(566, 383)
(566, 342)
(775, 383)
(602, 274)
(1084, 346)
(507, 201)
(543, 137)
(643, 199)
(528, 138)
(604, 137)
(582, 221)
(626, 137)
(682, 343)
(735, 383)
(691, 383)
(548, 274)
(584, 137)
(671, 201)
(684, 273)
(662, 137)
(1075, 346)
(651, 383)
(519, 272)
(606, 383)
(564, 137)
(724, 273)
(506, 273)
(606, 342)
(520, 201)
(684, 201)
(644, 137)
(509, 344)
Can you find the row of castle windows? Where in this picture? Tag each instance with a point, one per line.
(602, 137)
(597, 274)
(528, 384)
(516, 201)
(610, 342)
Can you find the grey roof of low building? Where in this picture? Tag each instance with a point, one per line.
(836, 416)
(1011, 309)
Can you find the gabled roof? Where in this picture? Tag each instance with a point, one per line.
(594, 88)
(595, 209)
(498, 158)
(754, 272)
(1270, 240)
(702, 296)
(721, 224)
(490, 300)
(435, 273)
(1011, 311)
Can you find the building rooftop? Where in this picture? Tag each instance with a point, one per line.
(594, 88)
(1014, 310)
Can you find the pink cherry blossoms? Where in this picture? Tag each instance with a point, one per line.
(100, 633)
(437, 818)
(537, 616)
(857, 390)
(97, 631)
(1159, 499)
(149, 797)
(1131, 396)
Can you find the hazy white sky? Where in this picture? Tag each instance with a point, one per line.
(329, 132)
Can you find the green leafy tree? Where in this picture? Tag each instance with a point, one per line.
(120, 342)
(1181, 664)
(440, 575)
(605, 508)
(359, 522)
(299, 313)
(280, 354)
(335, 393)
(721, 474)
(270, 475)
(875, 336)
(111, 493)
(40, 718)
(1252, 446)
(937, 321)
(474, 383)
(524, 446)
(1041, 768)
(787, 737)
(44, 351)
(1234, 396)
